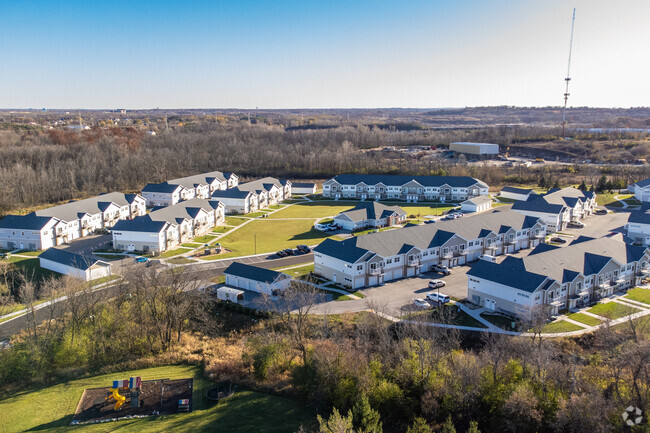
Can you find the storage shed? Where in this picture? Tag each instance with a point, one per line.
(256, 279)
(76, 265)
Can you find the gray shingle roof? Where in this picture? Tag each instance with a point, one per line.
(140, 224)
(514, 190)
(199, 179)
(94, 205)
(511, 272)
(642, 216)
(70, 259)
(183, 210)
(303, 185)
(372, 210)
(481, 199)
(643, 183)
(24, 222)
(260, 184)
(231, 193)
(396, 180)
(163, 187)
(254, 273)
(538, 204)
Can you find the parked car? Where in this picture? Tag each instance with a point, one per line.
(332, 227)
(558, 240)
(429, 221)
(576, 225)
(441, 269)
(440, 298)
(141, 259)
(487, 258)
(289, 251)
(281, 253)
(303, 248)
(600, 211)
(421, 303)
(434, 284)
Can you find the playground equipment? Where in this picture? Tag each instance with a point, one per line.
(133, 384)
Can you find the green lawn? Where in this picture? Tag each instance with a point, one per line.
(420, 209)
(32, 267)
(180, 260)
(221, 229)
(30, 253)
(583, 318)
(258, 213)
(639, 295)
(613, 310)
(297, 272)
(191, 245)
(235, 221)
(632, 201)
(560, 326)
(272, 235)
(606, 199)
(506, 200)
(50, 409)
(206, 239)
(319, 209)
(500, 321)
(172, 253)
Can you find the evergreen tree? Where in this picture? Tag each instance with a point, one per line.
(336, 423)
(602, 184)
(583, 186)
(364, 418)
(556, 185)
(448, 426)
(419, 426)
(473, 425)
(542, 182)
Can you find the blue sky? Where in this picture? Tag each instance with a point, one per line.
(321, 54)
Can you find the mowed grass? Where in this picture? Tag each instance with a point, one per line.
(32, 267)
(583, 318)
(613, 310)
(50, 409)
(319, 209)
(235, 221)
(607, 199)
(172, 253)
(639, 295)
(271, 236)
(297, 272)
(560, 326)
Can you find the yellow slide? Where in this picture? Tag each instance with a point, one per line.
(118, 398)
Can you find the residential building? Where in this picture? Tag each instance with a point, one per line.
(374, 258)
(167, 227)
(163, 194)
(370, 214)
(554, 278)
(409, 188)
(637, 227)
(303, 188)
(28, 232)
(186, 188)
(477, 204)
(256, 279)
(478, 149)
(236, 201)
(641, 190)
(75, 265)
(520, 194)
(251, 196)
(558, 207)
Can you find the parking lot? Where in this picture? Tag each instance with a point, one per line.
(397, 296)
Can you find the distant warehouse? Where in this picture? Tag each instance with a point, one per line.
(485, 150)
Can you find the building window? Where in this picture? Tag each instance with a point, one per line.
(396, 259)
(359, 267)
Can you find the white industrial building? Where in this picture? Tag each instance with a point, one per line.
(481, 149)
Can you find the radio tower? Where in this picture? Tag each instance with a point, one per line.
(567, 79)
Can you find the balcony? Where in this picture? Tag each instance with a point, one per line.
(491, 247)
(556, 302)
(376, 271)
(508, 241)
(447, 255)
(462, 252)
(539, 235)
(414, 262)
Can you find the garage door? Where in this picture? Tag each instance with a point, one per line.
(372, 281)
(397, 274)
(358, 283)
(410, 271)
(388, 275)
(461, 260)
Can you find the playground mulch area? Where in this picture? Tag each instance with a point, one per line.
(159, 397)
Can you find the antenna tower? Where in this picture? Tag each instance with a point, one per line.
(567, 79)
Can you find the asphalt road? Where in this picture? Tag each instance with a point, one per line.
(200, 272)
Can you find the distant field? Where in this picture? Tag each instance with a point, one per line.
(50, 409)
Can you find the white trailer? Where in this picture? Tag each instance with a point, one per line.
(229, 294)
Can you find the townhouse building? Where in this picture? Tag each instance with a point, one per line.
(638, 225)
(374, 258)
(167, 227)
(519, 194)
(57, 225)
(409, 188)
(251, 196)
(370, 214)
(558, 207)
(641, 190)
(186, 188)
(554, 278)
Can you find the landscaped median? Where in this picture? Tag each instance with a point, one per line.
(176, 252)
(613, 310)
(584, 318)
